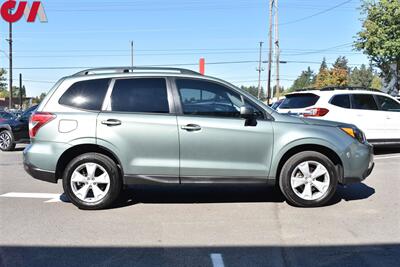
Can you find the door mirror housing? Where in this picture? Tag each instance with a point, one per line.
(249, 115)
(247, 112)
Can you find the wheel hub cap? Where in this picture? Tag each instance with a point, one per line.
(90, 182)
(310, 180)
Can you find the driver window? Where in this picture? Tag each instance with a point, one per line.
(205, 98)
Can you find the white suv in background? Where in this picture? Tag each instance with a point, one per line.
(374, 112)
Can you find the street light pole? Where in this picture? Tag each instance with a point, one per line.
(271, 3)
(10, 72)
(259, 71)
(132, 54)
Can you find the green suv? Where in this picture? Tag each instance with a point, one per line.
(101, 129)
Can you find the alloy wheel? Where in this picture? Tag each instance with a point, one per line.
(5, 140)
(310, 180)
(90, 182)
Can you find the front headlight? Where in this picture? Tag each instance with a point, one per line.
(355, 133)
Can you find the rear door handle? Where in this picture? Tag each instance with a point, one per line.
(111, 122)
(191, 127)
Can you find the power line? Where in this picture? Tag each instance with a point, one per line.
(316, 14)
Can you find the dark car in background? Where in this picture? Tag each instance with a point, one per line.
(4, 115)
(14, 129)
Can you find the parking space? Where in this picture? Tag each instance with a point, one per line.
(200, 225)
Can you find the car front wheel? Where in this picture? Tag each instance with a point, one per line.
(91, 181)
(308, 179)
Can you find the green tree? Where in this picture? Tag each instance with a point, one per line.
(305, 80)
(3, 83)
(253, 90)
(338, 75)
(379, 38)
(376, 83)
(362, 77)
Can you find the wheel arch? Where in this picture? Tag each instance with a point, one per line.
(325, 150)
(77, 150)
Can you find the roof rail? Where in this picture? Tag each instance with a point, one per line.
(332, 88)
(133, 70)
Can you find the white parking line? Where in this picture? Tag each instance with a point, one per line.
(388, 157)
(51, 197)
(217, 260)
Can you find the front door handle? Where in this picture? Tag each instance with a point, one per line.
(111, 122)
(191, 127)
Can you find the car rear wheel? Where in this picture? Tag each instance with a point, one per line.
(91, 181)
(308, 179)
(6, 141)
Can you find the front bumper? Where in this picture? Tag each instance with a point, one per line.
(364, 162)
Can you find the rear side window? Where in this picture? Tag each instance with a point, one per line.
(363, 101)
(148, 95)
(388, 104)
(299, 101)
(86, 94)
(342, 101)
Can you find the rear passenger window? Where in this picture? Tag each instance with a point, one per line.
(86, 94)
(140, 95)
(342, 101)
(367, 102)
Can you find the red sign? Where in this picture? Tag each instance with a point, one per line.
(12, 11)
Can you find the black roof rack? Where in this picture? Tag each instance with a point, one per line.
(332, 88)
(133, 70)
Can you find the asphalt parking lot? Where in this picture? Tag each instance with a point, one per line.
(200, 226)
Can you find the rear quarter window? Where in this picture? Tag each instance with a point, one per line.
(299, 101)
(86, 94)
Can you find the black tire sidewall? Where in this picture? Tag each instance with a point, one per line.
(290, 165)
(112, 170)
(12, 143)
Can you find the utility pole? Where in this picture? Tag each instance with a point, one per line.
(277, 50)
(259, 71)
(20, 91)
(271, 3)
(132, 54)
(10, 72)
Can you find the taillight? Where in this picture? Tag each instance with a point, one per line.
(37, 120)
(316, 112)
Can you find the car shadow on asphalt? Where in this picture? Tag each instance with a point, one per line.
(186, 194)
(234, 255)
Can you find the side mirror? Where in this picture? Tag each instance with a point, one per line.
(247, 112)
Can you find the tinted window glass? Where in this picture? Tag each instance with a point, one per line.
(208, 99)
(361, 101)
(388, 104)
(86, 94)
(341, 101)
(299, 101)
(140, 95)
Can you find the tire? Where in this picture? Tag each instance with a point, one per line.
(320, 180)
(85, 175)
(6, 141)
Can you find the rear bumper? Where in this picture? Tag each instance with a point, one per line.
(34, 171)
(39, 174)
